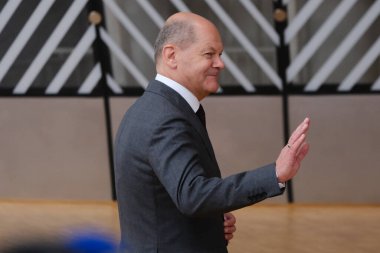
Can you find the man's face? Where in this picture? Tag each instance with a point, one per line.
(199, 64)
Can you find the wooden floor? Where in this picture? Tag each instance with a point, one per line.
(261, 228)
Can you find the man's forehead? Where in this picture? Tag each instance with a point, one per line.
(213, 47)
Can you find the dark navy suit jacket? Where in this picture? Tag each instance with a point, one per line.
(170, 193)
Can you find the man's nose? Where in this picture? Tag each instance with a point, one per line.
(219, 63)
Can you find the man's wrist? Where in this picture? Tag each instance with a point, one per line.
(280, 184)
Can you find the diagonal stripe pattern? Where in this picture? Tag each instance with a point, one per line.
(318, 38)
(24, 36)
(127, 23)
(77, 54)
(342, 50)
(49, 47)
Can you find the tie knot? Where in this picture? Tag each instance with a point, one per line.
(202, 115)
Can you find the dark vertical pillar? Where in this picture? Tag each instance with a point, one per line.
(102, 55)
(280, 15)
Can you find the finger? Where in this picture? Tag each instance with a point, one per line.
(228, 223)
(303, 151)
(228, 237)
(301, 129)
(295, 148)
(229, 229)
(301, 126)
(228, 216)
(229, 219)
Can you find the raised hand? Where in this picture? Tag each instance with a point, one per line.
(289, 160)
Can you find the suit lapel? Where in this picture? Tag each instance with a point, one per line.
(179, 102)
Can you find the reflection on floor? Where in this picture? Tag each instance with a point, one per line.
(261, 228)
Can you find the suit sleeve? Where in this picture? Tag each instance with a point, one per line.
(175, 160)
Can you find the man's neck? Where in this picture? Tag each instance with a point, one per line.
(190, 98)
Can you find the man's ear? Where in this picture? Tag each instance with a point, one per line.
(169, 56)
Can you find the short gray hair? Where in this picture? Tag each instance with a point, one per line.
(180, 33)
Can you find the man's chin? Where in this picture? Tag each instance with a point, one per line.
(215, 88)
(212, 84)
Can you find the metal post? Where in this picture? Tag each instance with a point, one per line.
(280, 15)
(102, 55)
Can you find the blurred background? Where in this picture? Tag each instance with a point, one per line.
(70, 69)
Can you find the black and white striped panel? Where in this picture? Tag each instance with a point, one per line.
(46, 49)
(134, 16)
(47, 45)
(75, 67)
(342, 46)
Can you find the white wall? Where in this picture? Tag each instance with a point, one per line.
(55, 148)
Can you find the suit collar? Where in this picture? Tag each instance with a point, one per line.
(171, 95)
(179, 102)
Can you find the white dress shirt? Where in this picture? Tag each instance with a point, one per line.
(190, 98)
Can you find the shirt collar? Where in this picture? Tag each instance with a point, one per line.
(181, 90)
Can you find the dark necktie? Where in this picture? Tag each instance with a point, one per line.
(201, 115)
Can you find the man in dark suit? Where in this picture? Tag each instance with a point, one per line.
(170, 192)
